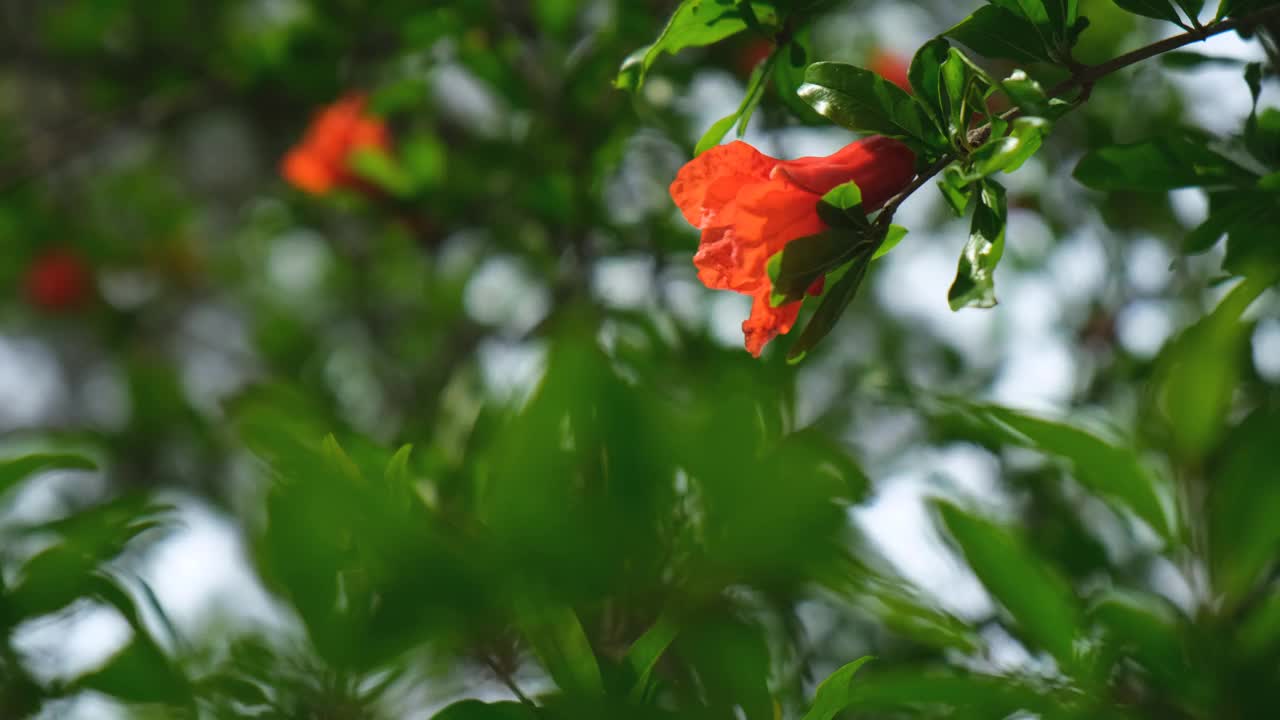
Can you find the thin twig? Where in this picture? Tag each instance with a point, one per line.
(510, 682)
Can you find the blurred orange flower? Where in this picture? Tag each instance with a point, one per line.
(58, 280)
(749, 206)
(891, 67)
(320, 163)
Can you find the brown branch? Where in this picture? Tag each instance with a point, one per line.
(1084, 77)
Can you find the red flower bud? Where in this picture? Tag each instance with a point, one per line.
(58, 280)
(320, 163)
(749, 206)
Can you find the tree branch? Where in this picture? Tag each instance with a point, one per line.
(1084, 76)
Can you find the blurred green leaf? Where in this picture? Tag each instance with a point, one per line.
(1149, 630)
(833, 694)
(1166, 163)
(647, 650)
(15, 470)
(1197, 372)
(1040, 602)
(1115, 472)
(561, 644)
(1244, 500)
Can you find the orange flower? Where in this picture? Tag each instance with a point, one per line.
(751, 55)
(749, 206)
(58, 280)
(320, 162)
(891, 67)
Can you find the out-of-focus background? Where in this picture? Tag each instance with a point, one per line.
(506, 287)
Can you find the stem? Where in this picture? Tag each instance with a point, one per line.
(510, 682)
(1084, 76)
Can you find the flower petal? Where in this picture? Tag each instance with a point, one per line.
(710, 181)
(881, 166)
(767, 322)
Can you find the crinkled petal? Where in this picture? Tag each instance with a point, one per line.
(767, 322)
(710, 181)
(764, 217)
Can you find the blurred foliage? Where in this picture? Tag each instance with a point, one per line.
(487, 445)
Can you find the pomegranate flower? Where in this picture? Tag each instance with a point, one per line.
(58, 280)
(320, 163)
(749, 206)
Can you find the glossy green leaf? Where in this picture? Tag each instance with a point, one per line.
(833, 694)
(864, 102)
(956, 190)
(695, 23)
(934, 692)
(1006, 154)
(975, 277)
(1040, 602)
(925, 75)
(1158, 9)
(995, 32)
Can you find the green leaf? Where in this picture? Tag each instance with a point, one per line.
(561, 644)
(975, 278)
(794, 269)
(15, 470)
(1158, 9)
(1039, 600)
(695, 23)
(864, 102)
(891, 239)
(995, 32)
(1244, 537)
(1114, 472)
(1006, 154)
(833, 695)
(382, 169)
(1185, 60)
(1147, 629)
(1236, 8)
(834, 302)
(647, 650)
(1197, 373)
(925, 76)
(716, 133)
(931, 692)
(1167, 163)
(956, 190)
(755, 91)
